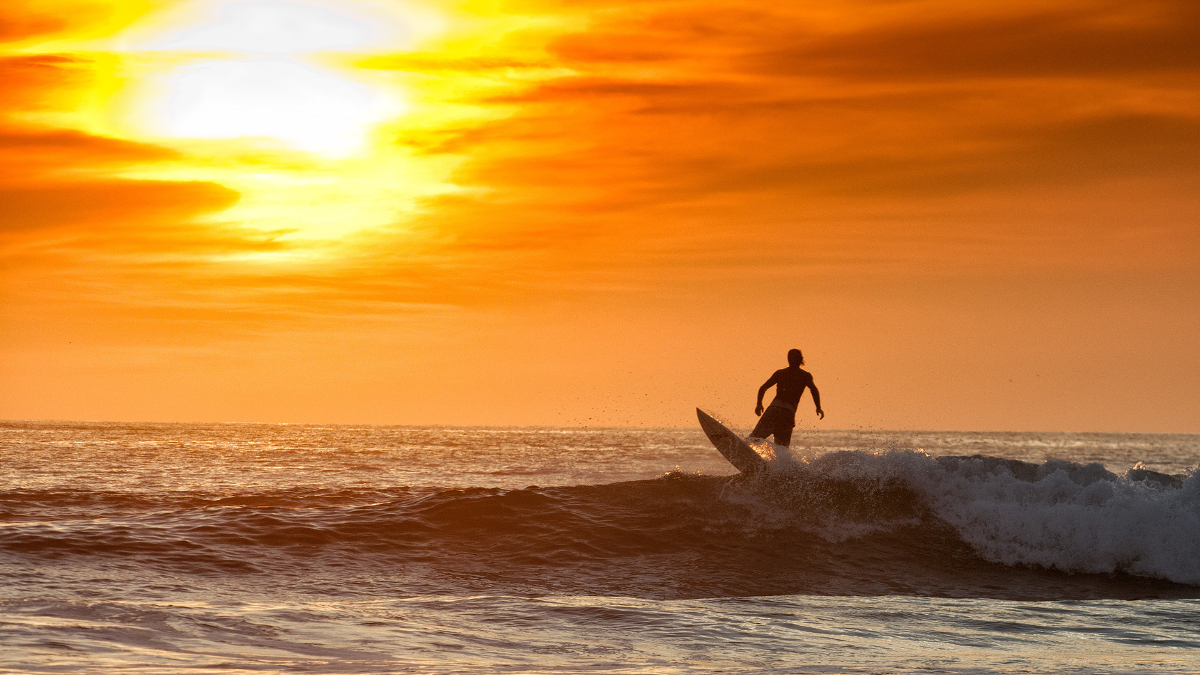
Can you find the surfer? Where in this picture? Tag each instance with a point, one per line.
(780, 416)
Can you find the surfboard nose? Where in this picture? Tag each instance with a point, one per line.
(730, 445)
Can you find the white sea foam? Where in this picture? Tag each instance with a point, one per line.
(1061, 515)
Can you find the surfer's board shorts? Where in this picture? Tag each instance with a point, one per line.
(778, 421)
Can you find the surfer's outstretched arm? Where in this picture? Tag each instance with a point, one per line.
(817, 400)
(762, 390)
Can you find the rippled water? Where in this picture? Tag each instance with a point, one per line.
(274, 548)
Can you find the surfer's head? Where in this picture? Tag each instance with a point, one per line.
(795, 357)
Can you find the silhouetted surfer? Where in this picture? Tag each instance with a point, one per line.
(789, 383)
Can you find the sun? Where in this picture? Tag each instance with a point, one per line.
(264, 97)
(250, 69)
(304, 107)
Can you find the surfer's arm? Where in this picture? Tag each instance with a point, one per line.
(763, 390)
(817, 400)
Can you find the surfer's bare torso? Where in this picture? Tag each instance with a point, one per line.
(789, 384)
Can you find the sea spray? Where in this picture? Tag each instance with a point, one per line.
(1059, 514)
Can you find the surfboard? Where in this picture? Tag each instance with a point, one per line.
(741, 456)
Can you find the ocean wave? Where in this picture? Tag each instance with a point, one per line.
(846, 522)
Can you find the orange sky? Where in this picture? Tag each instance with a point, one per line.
(968, 215)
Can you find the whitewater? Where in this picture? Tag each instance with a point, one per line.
(187, 548)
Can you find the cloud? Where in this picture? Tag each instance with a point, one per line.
(860, 129)
(33, 21)
(30, 153)
(34, 82)
(57, 193)
(108, 205)
(57, 196)
(744, 98)
(1094, 40)
(59, 144)
(13, 29)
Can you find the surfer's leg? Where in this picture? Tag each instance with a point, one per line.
(783, 434)
(764, 426)
(773, 423)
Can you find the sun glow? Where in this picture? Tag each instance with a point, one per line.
(263, 96)
(252, 75)
(279, 27)
(305, 107)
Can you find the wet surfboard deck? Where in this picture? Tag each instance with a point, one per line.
(740, 455)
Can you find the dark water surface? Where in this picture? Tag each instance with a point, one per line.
(331, 549)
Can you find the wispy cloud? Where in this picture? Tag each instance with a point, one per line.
(684, 116)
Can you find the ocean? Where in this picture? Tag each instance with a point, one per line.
(231, 548)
